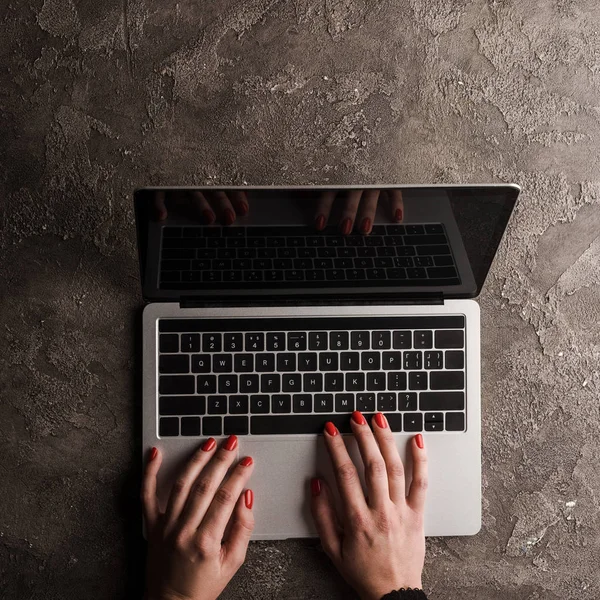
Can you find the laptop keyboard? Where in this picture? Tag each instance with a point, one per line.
(291, 376)
(245, 257)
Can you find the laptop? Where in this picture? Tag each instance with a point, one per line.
(268, 328)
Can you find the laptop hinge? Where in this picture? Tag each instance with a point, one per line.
(430, 298)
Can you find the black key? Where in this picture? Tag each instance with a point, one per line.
(447, 380)
(385, 252)
(405, 251)
(413, 360)
(238, 405)
(294, 424)
(370, 361)
(255, 342)
(249, 383)
(455, 359)
(363, 263)
(393, 240)
(190, 342)
(259, 404)
(174, 364)
(376, 274)
(339, 340)
(323, 263)
(433, 360)
(349, 361)
(395, 421)
(323, 403)
(386, 402)
(168, 426)
(207, 384)
(359, 340)
(205, 254)
(395, 230)
(201, 363)
(326, 252)
(334, 382)
(381, 340)
(455, 421)
(334, 240)
(286, 362)
(168, 342)
(441, 401)
(275, 342)
(355, 274)
(211, 342)
(383, 263)
(416, 273)
(344, 402)
(404, 262)
(413, 422)
(243, 363)
(236, 425)
(374, 240)
(233, 342)
(421, 240)
(292, 382)
(228, 384)
(354, 240)
(212, 426)
(433, 250)
(296, 340)
(375, 381)
(313, 382)
(391, 360)
(190, 426)
(407, 401)
(434, 228)
(302, 403)
(307, 361)
(317, 340)
(434, 421)
(355, 382)
(176, 384)
(265, 362)
(253, 276)
(294, 275)
(443, 261)
(314, 275)
(423, 339)
(303, 263)
(270, 383)
(417, 380)
(334, 274)
(414, 229)
(402, 340)
(423, 261)
(307, 253)
(222, 363)
(286, 253)
(346, 252)
(181, 405)
(274, 275)
(365, 402)
(217, 405)
(449, 338)
(262, 264)
(232, 276)
(328, 361)
(221, 264)
(397, 380)
(281, 403)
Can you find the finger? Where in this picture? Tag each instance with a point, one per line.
(323, 210)
(346, 475)
(220, 509)
(376, 477)
(396, 205)
(208, 482)
(159, 209)
(240, 530)
(222, 207)
(393, 462)
(202, 207)
(367, 210)
(349, 210)
(239, 201)
(324, 515)
(148, 493)
(185, 481)
(418, 486)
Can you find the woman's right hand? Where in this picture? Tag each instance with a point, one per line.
(376, 542)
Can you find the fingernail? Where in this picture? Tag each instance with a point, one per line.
(320, 223)
(231, 442)
(398, 215)
(209, 444)
(246, 462)
(249, 498)
(331, 429)
(153, 453)
(419, 439)
(358, 418)
(229, 217)
(346, 226)
(381, 420)
(244, 208)
(366, 226)
(315, 486)
(209, 216)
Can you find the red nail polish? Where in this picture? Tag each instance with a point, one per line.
(231, 443)
(331, 429)
(209, 216)
(229, 217)
(315, 486)
(366, 226)
(419, 439)
(209, 444)
(249, 498)
(398, 215)
(381, 420)
(358, 418)
(320, 223)
(246, 462)
(244, 208)
(346, 226)
(153, 453)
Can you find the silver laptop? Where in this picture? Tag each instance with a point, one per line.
(268, 328)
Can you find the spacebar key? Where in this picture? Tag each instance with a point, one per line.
(290, 424)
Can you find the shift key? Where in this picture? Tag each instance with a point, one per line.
(435, 401)
(177, 384)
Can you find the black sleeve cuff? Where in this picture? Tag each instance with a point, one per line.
(406, 594)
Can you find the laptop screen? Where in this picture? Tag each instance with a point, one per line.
(236, 244)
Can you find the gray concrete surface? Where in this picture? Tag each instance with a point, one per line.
(99, 97)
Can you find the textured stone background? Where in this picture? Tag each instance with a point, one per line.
(99, 97)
